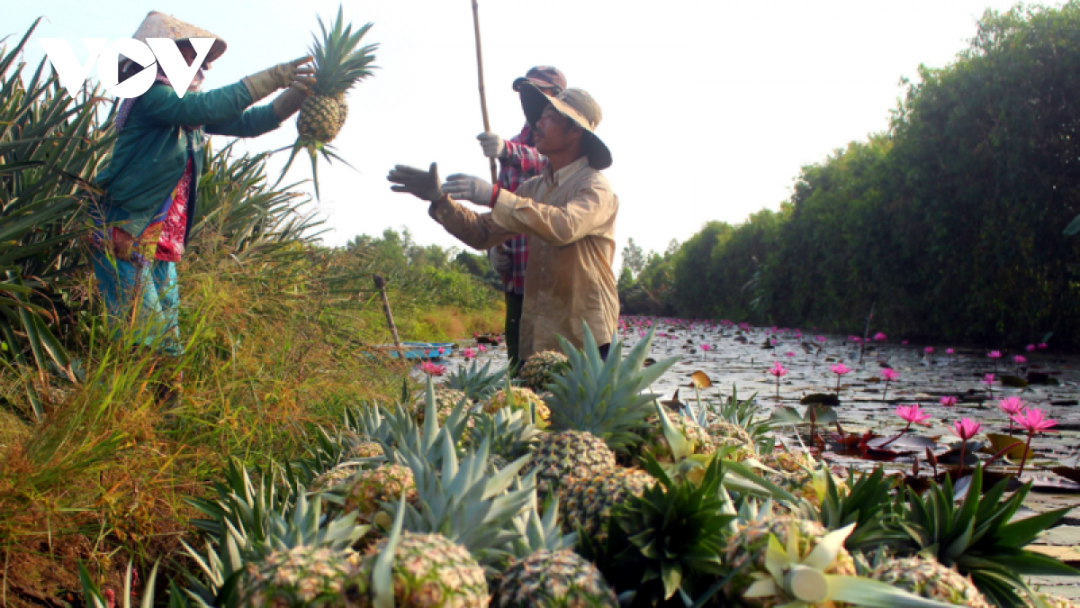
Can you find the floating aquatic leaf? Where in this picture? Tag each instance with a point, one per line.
(1012, 446)
(820, 398)
(1013, 381)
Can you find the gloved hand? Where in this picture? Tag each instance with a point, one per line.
(289, 102)
(493, 145)
(417, 182)
(500, 259)
(278, 77)
(468, 188)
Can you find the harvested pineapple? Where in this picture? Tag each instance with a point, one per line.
(339, 65)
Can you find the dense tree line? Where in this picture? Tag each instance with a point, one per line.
(950, 222)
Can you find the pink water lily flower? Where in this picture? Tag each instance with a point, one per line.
(789, 354)
(880, 337)
(820, 338)
(1034, 420)
(913, 414)
(1019, 359)
(778, 370)
(948, 401)
(432, 369)
(889, 374)
(994, 354)
(903, 342)
(839, 369)
(1012, 405)
(468, 353)
(1029, 347)
(929, 350)
(482, 347)
(949, 351)
(442, 350)
(965, 428)
(1042, 345)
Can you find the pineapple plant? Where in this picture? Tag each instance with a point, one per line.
(477, 381)
(366, 449)
(540, 369)
(367, 490)
(589, 500)
(340, 63)
(725, 434)
(446, 399)
(519, 398)
(510, 432)
(425, 571)
(657, 445)
(926, 577)
(559, 579)
(335, 477)
(666, 541)
(545, 570)
(597, 408)
(301, 576)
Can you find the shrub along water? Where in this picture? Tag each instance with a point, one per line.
(951, 221)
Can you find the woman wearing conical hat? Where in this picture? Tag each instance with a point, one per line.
(150, 182)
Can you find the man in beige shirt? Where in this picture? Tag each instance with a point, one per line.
(568, 213)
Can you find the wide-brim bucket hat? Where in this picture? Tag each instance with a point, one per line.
(578, 106)
(160, 25)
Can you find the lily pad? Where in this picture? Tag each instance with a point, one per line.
(820, 399)
(1013, 381)
(1001, 442)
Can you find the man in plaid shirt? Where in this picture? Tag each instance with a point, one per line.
(518, 162)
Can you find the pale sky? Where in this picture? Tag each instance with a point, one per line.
(709, 108)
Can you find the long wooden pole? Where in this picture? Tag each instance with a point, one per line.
(480, 74)
(380, 284)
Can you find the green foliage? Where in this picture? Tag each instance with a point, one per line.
(476, 381)
(977, 534)
(951, 221)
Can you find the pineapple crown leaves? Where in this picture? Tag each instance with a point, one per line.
(93, 598)
(404, 436)
(802, 579)
(605, 398)
(464, 504)
(221, 571)
(864, 502)
(540, 532)
(508, 430)
(382, 580)
(742, 478)
(339, 64)
(673, 533)
(739, 413)
(305, 525)
(475, 381)
(978, 536)
(242, 503)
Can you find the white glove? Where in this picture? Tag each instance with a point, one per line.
(493, 145)
(500, 259)
(468, 188)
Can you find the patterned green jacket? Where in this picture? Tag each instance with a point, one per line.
(152, 150)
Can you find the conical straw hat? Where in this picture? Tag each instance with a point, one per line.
(160, 25)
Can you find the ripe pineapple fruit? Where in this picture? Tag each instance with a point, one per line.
(540, 369)
(559, 457)
(339, 65)
(366, 449)
(428, 571)
(387, 483)
(588, 501)
(927, 577)
(446, 399)
(303, 575)
(597, 408)
(522, 397)
(749, 543)
(335, 477)
(559, 578)
(1055, 601)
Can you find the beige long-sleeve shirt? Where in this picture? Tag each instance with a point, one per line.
(569, 218)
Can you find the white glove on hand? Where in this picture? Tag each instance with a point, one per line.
(468, 188)
(500, 259)
(493, 145)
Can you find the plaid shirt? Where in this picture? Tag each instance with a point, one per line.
(521, 164)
